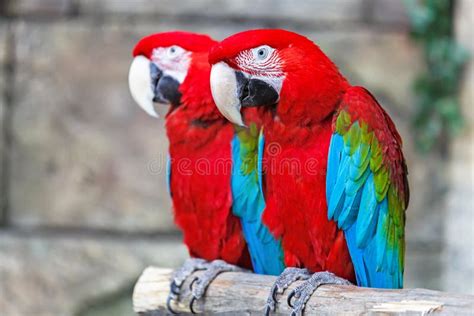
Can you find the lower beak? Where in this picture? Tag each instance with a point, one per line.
(167, 90)
(232, 90)
(257, 92)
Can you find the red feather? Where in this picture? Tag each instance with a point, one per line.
(189, 41)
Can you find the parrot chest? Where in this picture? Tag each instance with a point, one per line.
(295, 177)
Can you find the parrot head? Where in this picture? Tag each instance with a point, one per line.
(274, 69)
(166, 66)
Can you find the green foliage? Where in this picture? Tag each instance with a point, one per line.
(438, 115)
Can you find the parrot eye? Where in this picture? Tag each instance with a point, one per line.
(262, 53)
(174, 51)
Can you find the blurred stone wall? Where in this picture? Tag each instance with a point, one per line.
(459, 223)
(82, 189)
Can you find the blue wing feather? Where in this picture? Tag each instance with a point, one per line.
(248, 204)
(368, 213)
(349, 211)
(261, 146)
(168, 174)
(335, 150)
(352, 203)
(336, 199)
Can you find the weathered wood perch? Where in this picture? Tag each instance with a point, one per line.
(245, 294)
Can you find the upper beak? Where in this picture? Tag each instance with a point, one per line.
(141, 85)
(225, 92)
(233, 89)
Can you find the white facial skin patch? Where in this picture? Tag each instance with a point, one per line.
(173, 61)
(262, 63)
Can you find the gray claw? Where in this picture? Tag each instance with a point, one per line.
(267, 310)
(284, 280)
(168, 305)
(179, 276)
(191, 305)
(199, 286)
(189, 267)
(303, 292)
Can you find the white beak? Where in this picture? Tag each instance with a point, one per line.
(139, 81)
(224, 91)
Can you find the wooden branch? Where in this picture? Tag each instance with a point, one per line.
(245, 294)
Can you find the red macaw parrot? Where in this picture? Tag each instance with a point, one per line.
(212, 176)
(334, 176)
(172, 68)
